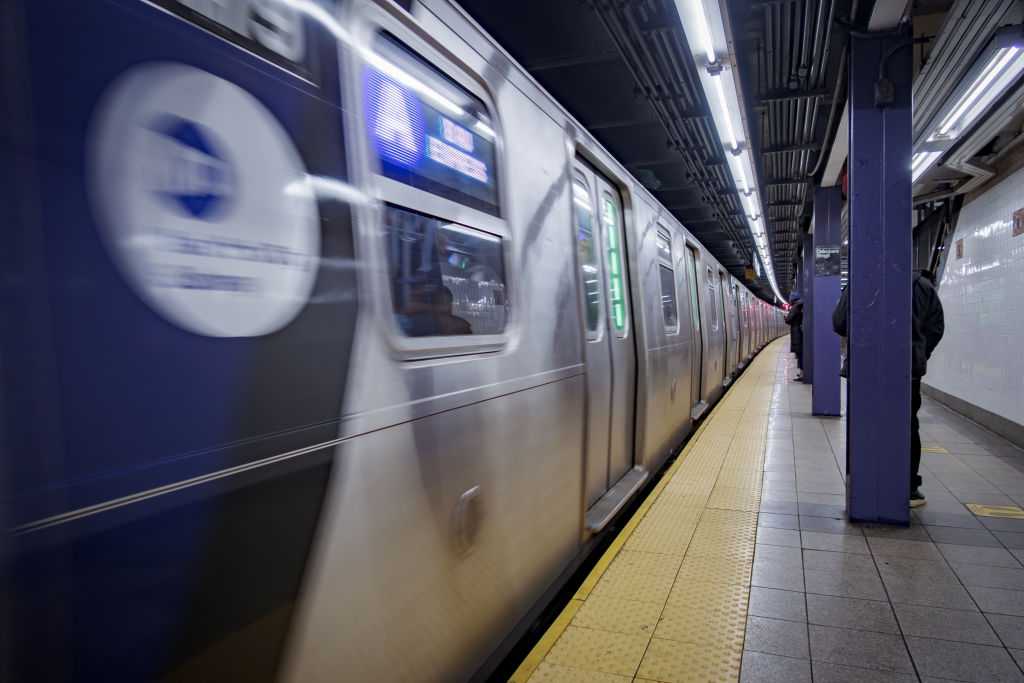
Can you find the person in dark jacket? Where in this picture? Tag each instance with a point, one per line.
(795, 320)
(839, 317)
(927, 328)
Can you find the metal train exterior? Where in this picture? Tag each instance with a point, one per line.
(331, 342)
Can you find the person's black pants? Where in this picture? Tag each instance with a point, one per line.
(915, 434)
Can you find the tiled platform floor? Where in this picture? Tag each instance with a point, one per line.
(740, 564)
(830, 601)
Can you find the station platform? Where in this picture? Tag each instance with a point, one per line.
(740, 564)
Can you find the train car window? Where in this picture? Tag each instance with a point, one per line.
(616, 286)
(446, 279)
(713, 308)
(667, 275)
(691, 274)
(428, 131)
(586, 244)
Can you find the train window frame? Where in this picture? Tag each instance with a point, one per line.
(366, 22)
(666, 261)
(613, 246)
(596, 333)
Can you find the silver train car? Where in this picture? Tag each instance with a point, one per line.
(332, 342)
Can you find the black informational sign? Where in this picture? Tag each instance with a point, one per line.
(826, 260)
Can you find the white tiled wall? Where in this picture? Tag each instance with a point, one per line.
(981, 358)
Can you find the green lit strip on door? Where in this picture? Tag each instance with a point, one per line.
(615, 286)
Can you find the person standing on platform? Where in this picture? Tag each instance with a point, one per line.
(795, 320)
(928, 327)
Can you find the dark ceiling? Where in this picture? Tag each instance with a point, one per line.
(623, 69)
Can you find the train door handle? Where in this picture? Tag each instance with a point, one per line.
(466, 520)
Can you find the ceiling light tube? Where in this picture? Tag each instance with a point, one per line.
(991, 82)
(922, 162)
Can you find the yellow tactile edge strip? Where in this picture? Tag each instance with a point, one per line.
(647, 624)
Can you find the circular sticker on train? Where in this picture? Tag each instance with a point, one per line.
(203, 200)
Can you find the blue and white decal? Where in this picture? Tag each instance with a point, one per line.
(194, 181)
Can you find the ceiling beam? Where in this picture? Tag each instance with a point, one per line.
(806, 147)
(576, 60)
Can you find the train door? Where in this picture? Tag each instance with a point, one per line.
(741, 334)
(726, 327)
(620, 339)
(697, 366)
(609, 354)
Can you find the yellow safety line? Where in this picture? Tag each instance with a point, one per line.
(547, 641)
(544, 646)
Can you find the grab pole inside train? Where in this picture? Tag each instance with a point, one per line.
(878, 406)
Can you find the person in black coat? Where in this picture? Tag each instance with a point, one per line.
(927, 327)
(795, 320)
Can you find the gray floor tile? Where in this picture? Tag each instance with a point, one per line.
(922, 582)
(777, 637)
(910, 568)
(769, 575)
(777, 604)
(779, 555)
(1009, 629)
(990, 577)
(759, 667)
(882, 651)
(914, 532)
(828, 524)
(895, 547)
(1018, 656)
(964, 520)
(771, 536)
(864, 615)
(963, 661)
(845, 584)
(780, 507)
(1001, 524)
(824, 560)
(945, 624)
(834, 673)
(976, 537)
(822, 510)
(998, 600)
(778, 521)
(997, 557)
(844, 543)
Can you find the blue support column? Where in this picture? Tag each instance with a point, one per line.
(808, 276)
(828, 205)
(880, 279)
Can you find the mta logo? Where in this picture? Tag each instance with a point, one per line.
(192, 173)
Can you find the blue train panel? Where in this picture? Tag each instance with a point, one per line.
(178, 310)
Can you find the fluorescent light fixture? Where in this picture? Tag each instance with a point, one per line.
(922, 161)
(1001, 71)
(705, 33)
(729, 132)
(996, 70)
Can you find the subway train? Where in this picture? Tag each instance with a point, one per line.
(364, 447)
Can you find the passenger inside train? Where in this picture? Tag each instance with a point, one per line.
(445, 340)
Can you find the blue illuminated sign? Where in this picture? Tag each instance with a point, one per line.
(394, 117)
(419, 146)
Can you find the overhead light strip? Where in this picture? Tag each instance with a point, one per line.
(996, 71)
(702, 22)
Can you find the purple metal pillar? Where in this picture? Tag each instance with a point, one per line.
(878, 418)
(808, 278)
(828, 205)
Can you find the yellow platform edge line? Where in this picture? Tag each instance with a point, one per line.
(543, 646)
(546, 642)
